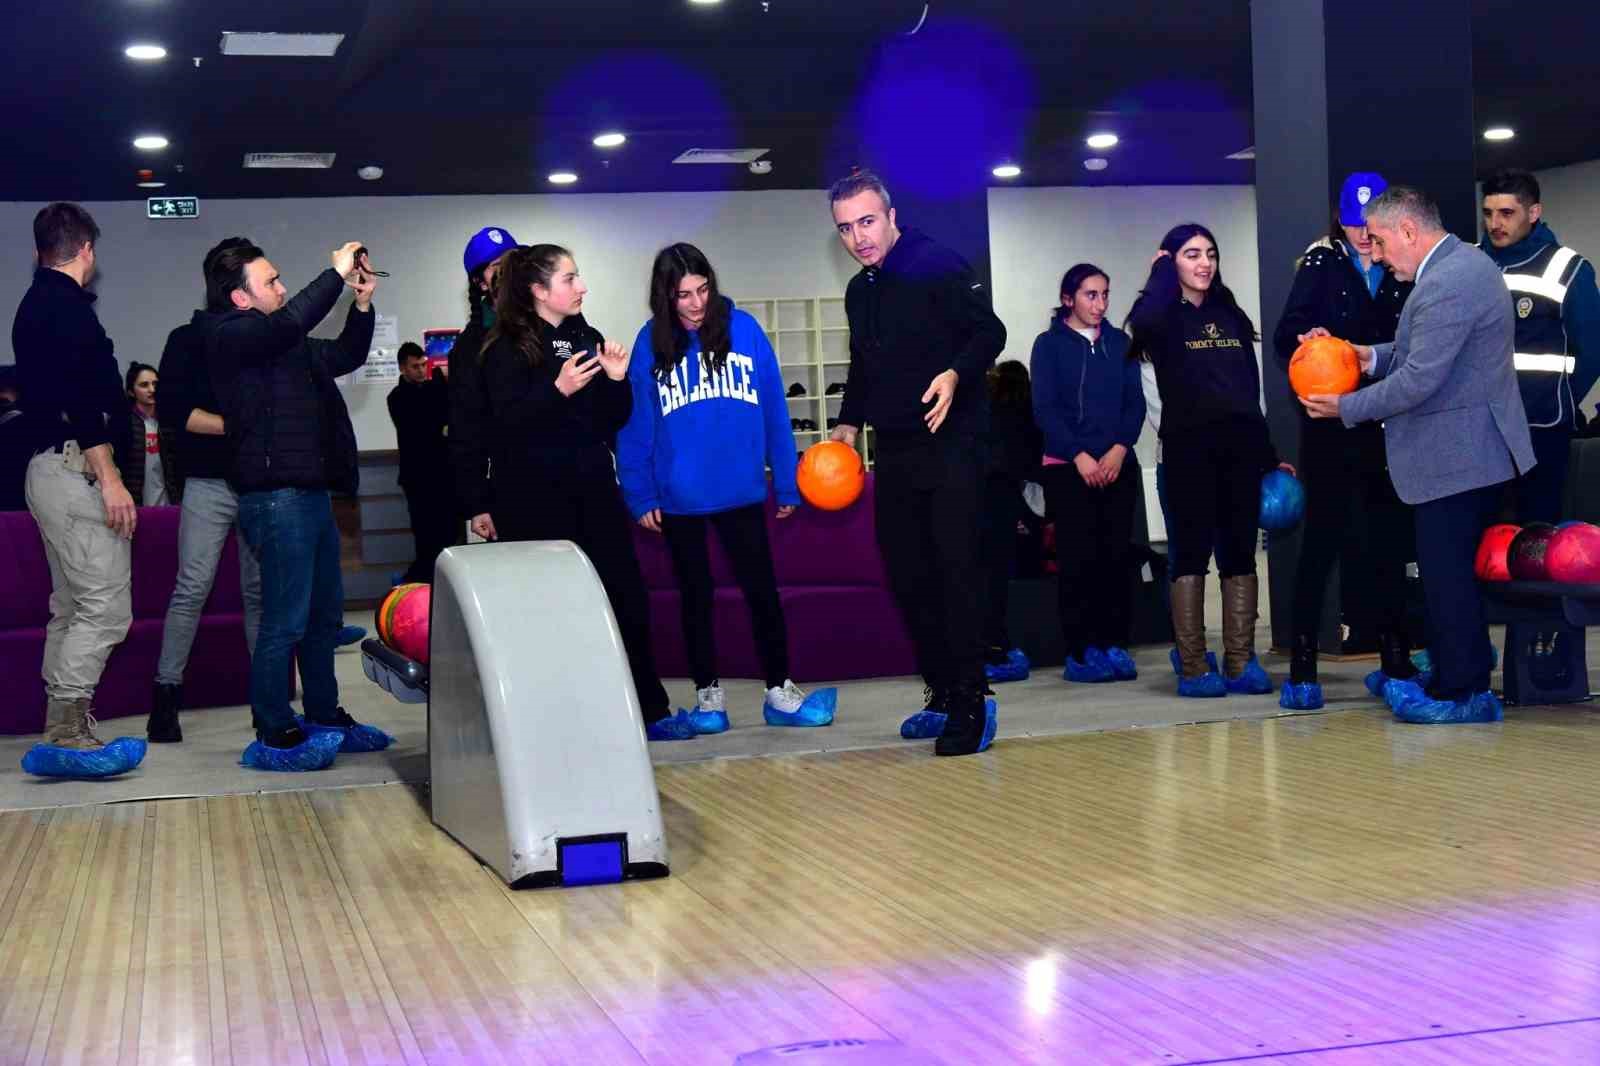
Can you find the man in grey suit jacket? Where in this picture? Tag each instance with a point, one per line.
(1454, 431)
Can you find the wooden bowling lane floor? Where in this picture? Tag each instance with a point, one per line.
(1316, 891)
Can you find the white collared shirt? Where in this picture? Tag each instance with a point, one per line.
(1424, 264)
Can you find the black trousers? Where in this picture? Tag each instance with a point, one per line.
(434, 527)
(1539, 492)
(1094, 550)
(1353, 517)
(1448, 530)
(928, 495)
(590, 513)
(1002, 510)
(1214, 491)
(743, 533)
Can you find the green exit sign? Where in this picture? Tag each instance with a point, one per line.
(172, 207)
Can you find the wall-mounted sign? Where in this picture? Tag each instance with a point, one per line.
(172, 207)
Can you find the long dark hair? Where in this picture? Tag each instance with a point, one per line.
(1010, 386)
(1161, 291)
(134, 370)
(668, 339)
(1073, 280)
(515, 315)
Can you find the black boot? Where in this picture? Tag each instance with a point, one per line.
(163, 726)
(1394, 651)
(966, 730)
(1303, 660)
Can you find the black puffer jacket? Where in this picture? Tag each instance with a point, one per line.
(287, 423)
(507, 418)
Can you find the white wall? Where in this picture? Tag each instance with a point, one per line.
(778, 243)
(1572, 205)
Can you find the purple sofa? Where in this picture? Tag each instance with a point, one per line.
(842, 621)
(219, 667)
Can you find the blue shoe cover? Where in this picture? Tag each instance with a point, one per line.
(1177, 663)
(357, 740)
(1252, 680)
(1207, 686)
(706, 723)
(1483, 707)
(1376, 681)
(349, 635)
(316, 752)
(926, 724)
(991, 723)
(1422, 659)
(673, 727)
(1122, 665)
(1015, 668)
(117, 757)
(1398, 694)
(1300, 696)
(817, 710)
(1093, 670)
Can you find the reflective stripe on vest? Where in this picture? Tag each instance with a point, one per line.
(1549, 284)
(1546, 364)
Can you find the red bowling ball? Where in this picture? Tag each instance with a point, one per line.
(1574, 555)
(1490, 563)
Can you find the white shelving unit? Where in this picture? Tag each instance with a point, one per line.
(812, 340)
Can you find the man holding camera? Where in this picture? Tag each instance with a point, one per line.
(291, 443)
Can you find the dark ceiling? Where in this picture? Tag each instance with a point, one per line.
(493, 95)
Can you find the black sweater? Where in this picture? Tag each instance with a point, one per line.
(420, 414)
(287, 424)
(1205, 360)
(67, 374)
(919, 313)
(511, 430)
(185, 387)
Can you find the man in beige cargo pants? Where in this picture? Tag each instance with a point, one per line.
(66, 369)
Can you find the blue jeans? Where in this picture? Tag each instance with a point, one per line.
(295, 541)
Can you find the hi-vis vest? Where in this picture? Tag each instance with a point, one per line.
(1538, 287)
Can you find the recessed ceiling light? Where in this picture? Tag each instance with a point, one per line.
(150, 142)
(1499, 133)
(610, 140)
(147, 52)
(369, 173)
(563, 177)
(1007, 170)
(705, 1)
(280, 44)
(1101, 140)
(152, 185)
(1095, 163)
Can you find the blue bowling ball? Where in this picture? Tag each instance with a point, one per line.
(1283, 501)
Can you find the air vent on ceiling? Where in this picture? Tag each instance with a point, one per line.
(1243, 153)
(288, 160)
(722, 155)
(280, 44)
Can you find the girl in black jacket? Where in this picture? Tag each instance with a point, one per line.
(1353, 515)
(545, 399)
(1216, 447)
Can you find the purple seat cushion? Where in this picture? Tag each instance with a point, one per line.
(24, 575)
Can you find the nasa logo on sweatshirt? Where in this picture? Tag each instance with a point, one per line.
(562, 348)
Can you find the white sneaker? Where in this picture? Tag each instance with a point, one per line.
(786, 699)
(711, 699)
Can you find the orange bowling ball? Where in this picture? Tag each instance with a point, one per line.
(831, 475)
(384, 615)
(1324, 366)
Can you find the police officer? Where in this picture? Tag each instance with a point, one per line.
(1558, 331)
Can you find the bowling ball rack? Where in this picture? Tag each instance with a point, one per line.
(1545, 660)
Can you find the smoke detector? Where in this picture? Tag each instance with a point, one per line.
(761, 166)
(369, 173)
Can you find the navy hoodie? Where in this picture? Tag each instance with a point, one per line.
(699, 443)
(1086, 397)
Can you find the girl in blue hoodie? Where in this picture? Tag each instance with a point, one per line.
(709, 417)
(1089, 403)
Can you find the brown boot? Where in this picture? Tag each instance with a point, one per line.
(1189, 623)
(74, 725)
(1239, 608)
